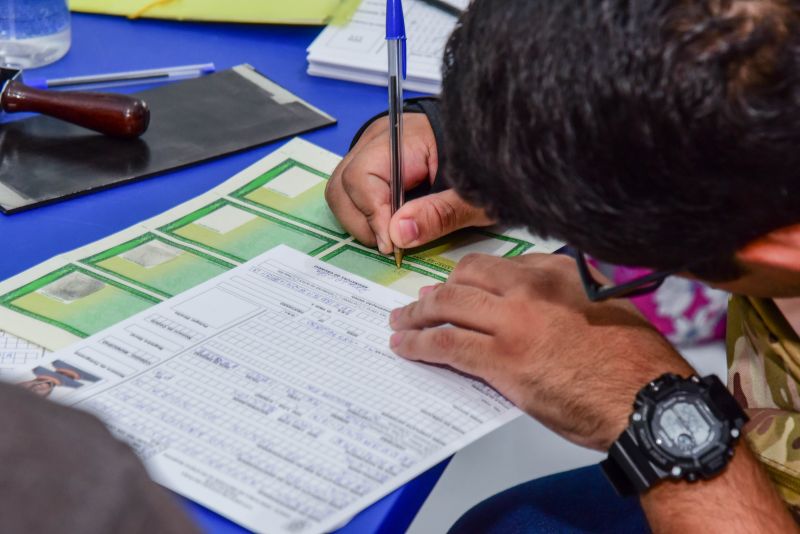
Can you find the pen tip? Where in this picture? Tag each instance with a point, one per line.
(398, 258)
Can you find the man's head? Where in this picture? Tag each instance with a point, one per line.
(658, 133)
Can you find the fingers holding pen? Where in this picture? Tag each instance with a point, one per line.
(348, 214)
(358, 191)
(433, 216)
(370, 196)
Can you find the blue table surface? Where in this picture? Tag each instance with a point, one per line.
(109, 44)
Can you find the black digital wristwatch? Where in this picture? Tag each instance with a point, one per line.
(680, 428)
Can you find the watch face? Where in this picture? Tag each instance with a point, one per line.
(684, 427)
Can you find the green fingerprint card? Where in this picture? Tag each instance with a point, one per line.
(443, 255)
(382, 270)
(76, 300)
(158, 265)
(295, 191)
(240, 233)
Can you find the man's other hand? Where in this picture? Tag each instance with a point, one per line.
(525, 326)
(359, 195)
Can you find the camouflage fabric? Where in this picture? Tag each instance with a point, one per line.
(764, 376)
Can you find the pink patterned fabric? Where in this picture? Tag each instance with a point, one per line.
(687, 312)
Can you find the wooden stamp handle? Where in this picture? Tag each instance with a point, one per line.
(110, 114)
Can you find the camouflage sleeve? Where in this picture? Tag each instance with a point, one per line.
(763, 374)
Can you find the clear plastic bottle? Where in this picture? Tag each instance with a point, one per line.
(33, 32)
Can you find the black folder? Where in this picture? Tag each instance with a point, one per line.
(43, 160)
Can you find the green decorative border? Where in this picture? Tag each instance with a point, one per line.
(270, 175)
(202, 212)
(8, 299)
(129, 245)
(382, 259)
(520, 247)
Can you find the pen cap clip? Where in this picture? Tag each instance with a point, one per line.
(405, 63)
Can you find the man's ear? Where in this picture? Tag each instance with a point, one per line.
(778, 249)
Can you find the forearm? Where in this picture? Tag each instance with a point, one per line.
(742, 499)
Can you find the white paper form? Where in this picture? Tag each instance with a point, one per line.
(357, 50)
(17, 355)
(269, 394)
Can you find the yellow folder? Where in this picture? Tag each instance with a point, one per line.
(252, 11)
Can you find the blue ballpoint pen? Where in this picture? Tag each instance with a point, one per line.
(116, 79)
(396, 45)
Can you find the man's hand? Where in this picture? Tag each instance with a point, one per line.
(358, 191)
(526, 327)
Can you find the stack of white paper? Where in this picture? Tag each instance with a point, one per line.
(357, 51)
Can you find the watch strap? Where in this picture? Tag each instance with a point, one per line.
(626, 467)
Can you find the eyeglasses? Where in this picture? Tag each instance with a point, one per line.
(598, 292)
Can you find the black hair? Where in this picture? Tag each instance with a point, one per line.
(659, 133)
